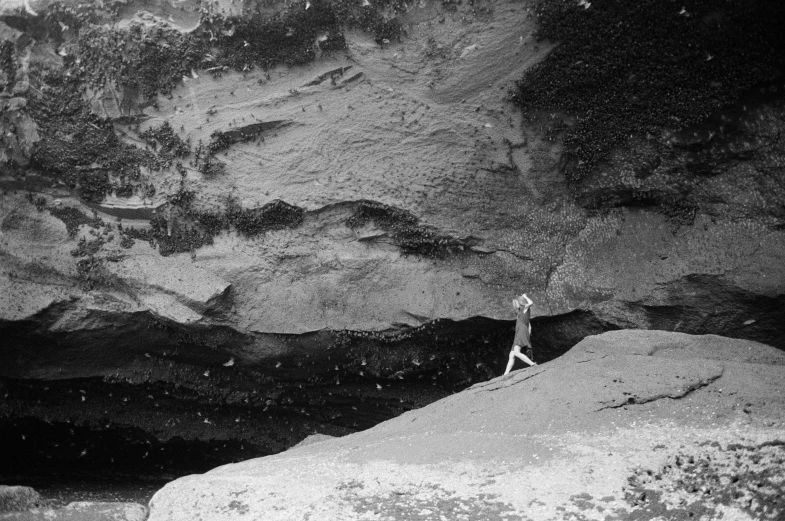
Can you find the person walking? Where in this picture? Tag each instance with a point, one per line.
(523, 331)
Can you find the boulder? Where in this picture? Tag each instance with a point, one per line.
(83, 511)
(14, 498)
(630, 424)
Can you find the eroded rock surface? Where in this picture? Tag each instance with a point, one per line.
(83, 511)
(628, 425)
(257, 221)
(14, 499)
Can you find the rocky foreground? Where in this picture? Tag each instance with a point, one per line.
(627, 425)
(25, 504)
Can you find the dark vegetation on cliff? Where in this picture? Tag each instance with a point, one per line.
(73, 219)
(406, 231)
(79, 148)
(165, 141)
(186, 229)
(635, 68)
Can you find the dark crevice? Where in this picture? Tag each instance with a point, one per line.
(710, 304)
(636, 400)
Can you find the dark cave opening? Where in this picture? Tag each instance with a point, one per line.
(70, 461)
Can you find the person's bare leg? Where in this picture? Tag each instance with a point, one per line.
(510, 363)
(524, 358)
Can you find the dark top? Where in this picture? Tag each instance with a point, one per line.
(522, 329)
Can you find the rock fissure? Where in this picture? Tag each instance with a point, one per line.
(677, 395)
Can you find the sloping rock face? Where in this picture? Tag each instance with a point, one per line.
(627, 425)
(235, 224)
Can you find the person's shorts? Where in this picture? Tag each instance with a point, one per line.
(528, 351)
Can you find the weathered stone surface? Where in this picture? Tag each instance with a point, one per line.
(375, 239)
(14, 499)
(176, 277)
(679, 346)
(313, 438)
(569, 437)
(83, 511)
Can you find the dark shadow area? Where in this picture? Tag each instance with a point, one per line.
(554, 336)
(70, 462)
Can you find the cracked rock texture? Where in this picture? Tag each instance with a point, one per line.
(619, 428)
(82, 511)
(336, 237)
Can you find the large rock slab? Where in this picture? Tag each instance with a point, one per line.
(628, 424)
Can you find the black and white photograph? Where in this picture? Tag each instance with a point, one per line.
(392, 260)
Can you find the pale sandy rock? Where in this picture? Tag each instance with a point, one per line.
(668, 344)
(313, 438)
(174, 276)
(21, 300)
(33, 248)
(573, 437)
(167, 306)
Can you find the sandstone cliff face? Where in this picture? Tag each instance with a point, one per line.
(357, 212)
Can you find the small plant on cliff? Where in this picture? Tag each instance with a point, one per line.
(163, 139)
(272, 216)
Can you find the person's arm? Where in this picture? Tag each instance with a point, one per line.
(526, 308)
